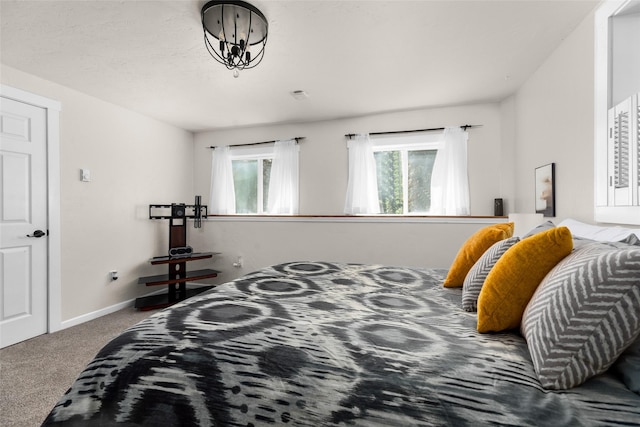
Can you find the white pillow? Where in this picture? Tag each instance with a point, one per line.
(599, 233)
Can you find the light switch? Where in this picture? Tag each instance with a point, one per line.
(85, 175)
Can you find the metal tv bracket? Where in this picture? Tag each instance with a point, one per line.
(180, 211)
(177, 214)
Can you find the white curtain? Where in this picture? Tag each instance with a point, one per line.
(222, 199)
(449, 178)
(283, 183)
(362, 188)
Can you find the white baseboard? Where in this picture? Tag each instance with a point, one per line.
(112, 309)
(96, 314)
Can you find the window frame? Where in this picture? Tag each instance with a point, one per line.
(404, 143)
(259, 154)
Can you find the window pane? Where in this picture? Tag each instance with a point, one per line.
(245, 180)
(266, 175)
(420, 167)
(389, 171)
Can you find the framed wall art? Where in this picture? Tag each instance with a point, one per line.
(546, 190)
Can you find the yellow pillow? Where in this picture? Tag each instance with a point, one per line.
(472, 250)
(515, 277)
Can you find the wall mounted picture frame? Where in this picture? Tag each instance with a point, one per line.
(546, 190)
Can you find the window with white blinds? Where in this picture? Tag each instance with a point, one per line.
(624, 161)
(638, 140)
(617, 112)
(621, 149)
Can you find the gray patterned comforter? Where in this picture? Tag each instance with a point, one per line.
(316, 343)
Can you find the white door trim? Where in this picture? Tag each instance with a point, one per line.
(53, 198)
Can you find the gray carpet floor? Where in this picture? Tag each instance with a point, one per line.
(35, 373)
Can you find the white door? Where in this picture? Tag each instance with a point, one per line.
(23, 221)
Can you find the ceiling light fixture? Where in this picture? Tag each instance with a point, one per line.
(299, 95)
(235, 33)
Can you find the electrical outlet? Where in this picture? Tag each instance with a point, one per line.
(238, 263)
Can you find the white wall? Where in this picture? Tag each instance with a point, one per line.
(134, 161)
(263, 243)
(323, 183)
(323, 154)
(508, 169)
(554, 122)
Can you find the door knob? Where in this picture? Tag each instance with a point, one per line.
(37, 233)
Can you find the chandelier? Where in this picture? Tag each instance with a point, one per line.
(235, 33)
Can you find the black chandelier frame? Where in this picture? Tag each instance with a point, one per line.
(223, 39)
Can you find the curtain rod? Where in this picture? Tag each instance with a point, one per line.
(297, 138)
(464, 127)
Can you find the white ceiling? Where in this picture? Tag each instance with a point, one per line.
(351, 57)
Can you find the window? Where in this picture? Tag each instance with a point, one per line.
(404, 180)
(251, 183)
(408, 174)
(255, 180)
(403, 166)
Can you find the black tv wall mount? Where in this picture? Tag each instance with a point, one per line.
(178, 211)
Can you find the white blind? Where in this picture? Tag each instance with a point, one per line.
(621, 150)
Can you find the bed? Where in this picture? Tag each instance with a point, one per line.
(320, 343)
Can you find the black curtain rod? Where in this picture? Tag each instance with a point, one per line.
(297, 138)
(464, 127)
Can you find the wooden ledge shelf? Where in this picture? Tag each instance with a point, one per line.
(165, 279)
(181, 258)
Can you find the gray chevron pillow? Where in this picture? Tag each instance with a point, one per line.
(584, 314)
(631, 239)
(474, 280)
(540, 228)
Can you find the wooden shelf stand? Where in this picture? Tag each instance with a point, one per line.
(177, 275)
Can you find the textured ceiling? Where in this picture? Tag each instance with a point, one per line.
(351, 57)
